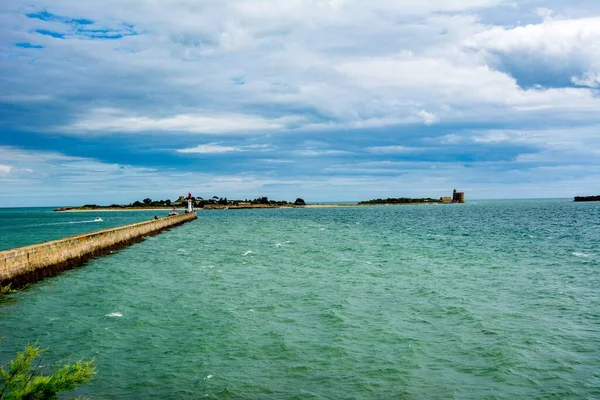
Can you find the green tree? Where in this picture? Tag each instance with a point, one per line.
(147, 201)
(299, 202)
(22, 380)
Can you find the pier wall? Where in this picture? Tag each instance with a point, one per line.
(32, 263)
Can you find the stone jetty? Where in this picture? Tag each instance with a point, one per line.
(24, 265)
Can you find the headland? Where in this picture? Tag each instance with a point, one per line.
(586, 198)
(222, 203)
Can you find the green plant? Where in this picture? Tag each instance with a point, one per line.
(22, 380)
(6, 289)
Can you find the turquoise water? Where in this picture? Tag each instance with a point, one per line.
(25, 226)
(491, 299)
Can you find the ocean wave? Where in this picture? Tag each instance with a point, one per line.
(581, 255)
(57, 223)
(114, 315)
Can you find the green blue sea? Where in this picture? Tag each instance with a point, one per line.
(486, 300)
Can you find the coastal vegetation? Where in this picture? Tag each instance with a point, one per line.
(199, 202)
(217, 202)
(586, 198)
(223, 201)
(23, 377)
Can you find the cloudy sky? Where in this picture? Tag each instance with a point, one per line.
(330, 100)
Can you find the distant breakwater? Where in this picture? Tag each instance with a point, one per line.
(24, 265)
(586, 198)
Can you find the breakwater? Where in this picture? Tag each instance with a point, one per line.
(586, 198)
(29, 264)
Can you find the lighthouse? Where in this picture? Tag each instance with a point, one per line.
(190, 200)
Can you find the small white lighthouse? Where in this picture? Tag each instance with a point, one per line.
(190, 200)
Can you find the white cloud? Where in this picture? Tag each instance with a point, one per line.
(544, 12)
(567, 46)
(319, 152)
(210, 148)
(428, 118)
(50, 165)
(268, 66)
(5, 169)
(393, 150)
(110, 120)
(215, 148)
(552, 37)
(275, 161)
(588, 78)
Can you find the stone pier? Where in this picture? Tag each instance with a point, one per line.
(25, 265)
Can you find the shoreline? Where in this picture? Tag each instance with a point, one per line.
(74, 209)
(322, 205)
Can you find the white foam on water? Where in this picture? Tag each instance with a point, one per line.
(59, 223)
(114, 315)
(581, 255)
(209, 376)
(248, 252)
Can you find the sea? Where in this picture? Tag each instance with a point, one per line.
(484, 300)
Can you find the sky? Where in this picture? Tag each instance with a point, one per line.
(114, 101)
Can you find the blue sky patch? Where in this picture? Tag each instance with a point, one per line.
(47, 16)
(53, 34)
(29, 46)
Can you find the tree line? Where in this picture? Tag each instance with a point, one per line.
(587, 198)
(199, 202)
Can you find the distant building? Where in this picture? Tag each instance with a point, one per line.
(446, 199)
(458, 197)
